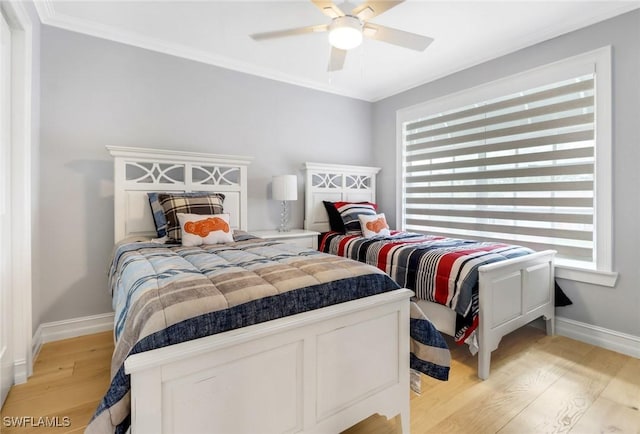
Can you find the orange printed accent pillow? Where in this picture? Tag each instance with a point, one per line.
(200, 229)
(374, 226)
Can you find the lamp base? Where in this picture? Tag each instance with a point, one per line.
(284, 217)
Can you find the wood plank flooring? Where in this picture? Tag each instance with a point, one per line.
(538, 384)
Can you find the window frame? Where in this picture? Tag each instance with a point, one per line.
(600, 272)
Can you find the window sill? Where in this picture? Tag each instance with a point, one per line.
(579, 274)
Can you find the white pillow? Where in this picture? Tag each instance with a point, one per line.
(198, 229)
(374, 225)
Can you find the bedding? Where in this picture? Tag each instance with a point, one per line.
(343, 216)
(173, 204)
(335, 220)
(350, 213)
(199, 229)
(374, 225)
(438, 269)
(169, 293)
(159, 219)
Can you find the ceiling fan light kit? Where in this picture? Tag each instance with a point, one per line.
(345, 32)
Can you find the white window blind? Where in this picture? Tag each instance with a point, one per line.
(518, 169)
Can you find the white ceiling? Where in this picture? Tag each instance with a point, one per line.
(217, 32)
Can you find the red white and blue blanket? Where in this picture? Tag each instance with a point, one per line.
(438, 269)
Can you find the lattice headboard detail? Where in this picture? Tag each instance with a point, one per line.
(335, 182)
(138, 171)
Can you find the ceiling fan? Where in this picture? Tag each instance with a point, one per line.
(346, 31)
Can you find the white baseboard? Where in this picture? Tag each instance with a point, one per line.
(594, 335)
(601, 337)
(70, 328)
(20, 372)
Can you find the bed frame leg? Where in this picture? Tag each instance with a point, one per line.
(484, 363)
(405, 423)
(551, 326)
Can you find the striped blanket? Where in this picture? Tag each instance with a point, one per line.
(438, 269)
(165, 294)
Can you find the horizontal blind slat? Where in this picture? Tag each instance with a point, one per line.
(509, 117)
(580, 202)
(508, 229)
(572, 169)
(514, 215)
(580, 86)
(510, 159)
(557, 139)
(504, 132)
(515, 187)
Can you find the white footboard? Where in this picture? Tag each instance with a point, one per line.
(320, 371)
(513, 293)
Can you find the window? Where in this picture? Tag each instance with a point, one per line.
(525, 160)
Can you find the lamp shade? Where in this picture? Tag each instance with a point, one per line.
(284, 187)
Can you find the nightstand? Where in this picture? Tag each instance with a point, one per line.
(301, 237)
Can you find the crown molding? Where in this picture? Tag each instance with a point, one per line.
(49, 16)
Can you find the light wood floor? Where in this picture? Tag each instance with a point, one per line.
(538, 384)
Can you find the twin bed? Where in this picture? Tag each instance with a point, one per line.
(250, 335)
(258, 336)
(476, 292)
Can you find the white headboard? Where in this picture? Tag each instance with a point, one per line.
(335, 182)
(138, 171)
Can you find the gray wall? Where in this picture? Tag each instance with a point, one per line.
(612, 308)
(97, 93)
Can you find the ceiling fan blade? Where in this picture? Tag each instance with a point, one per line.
(336, 61)
(328, 8)
(370, 9)
(290, 32)
(401, 38)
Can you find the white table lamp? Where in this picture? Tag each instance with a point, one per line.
(285, 189)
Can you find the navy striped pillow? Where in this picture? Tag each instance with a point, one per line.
(349, 211)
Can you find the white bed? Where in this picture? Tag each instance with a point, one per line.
(512, 293)
(285, 375)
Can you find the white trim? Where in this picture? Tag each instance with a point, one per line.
(580, 274)
(539, 76)
(71, 328)
(399, 178)
(21, 89)
(50, 17)
(603, 248)
(601, 337)
(594, 335)
(36, 342)
(20, 371)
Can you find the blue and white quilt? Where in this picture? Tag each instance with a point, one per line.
(165, 294)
